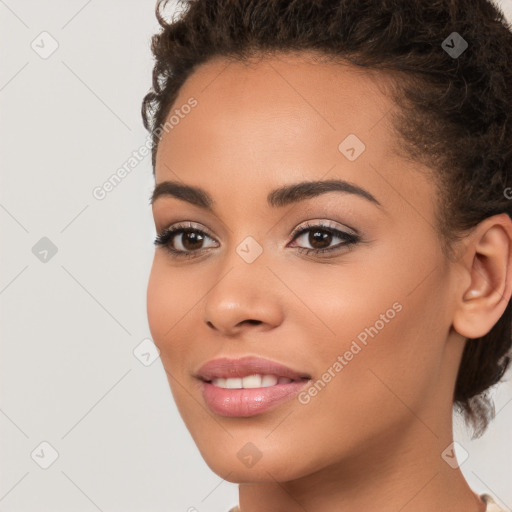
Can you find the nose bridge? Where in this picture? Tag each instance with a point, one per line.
(242, 272)
(242, 290)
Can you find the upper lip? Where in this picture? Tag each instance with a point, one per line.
(244, 366)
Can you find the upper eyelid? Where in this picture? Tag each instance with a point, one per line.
(185, 226)
(325, 224)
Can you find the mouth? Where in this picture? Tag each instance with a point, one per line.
(248, 386)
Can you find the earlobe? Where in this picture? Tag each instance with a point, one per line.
(484, 300)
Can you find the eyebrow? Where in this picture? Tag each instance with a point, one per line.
(279, 197)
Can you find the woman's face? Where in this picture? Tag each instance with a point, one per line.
(369, 322)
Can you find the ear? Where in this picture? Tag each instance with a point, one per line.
(487, 267)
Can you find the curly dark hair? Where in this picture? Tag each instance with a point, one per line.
(454, 110)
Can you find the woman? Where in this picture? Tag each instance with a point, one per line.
(333, 268)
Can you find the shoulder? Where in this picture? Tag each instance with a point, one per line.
(492, 506)
(234, 509)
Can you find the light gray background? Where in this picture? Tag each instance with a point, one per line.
(69, 326)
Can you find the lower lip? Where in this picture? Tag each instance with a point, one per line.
(248, 402)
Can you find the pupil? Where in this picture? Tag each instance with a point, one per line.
(193, 239)
(316, 237)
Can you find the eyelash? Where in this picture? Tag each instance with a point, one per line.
(168, 235)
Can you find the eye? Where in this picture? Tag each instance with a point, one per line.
(183, 240)
(321, 236)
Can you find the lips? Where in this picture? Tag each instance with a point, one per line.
(243, 367)
(226, 392)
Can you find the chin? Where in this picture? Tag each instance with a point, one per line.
(242, 462)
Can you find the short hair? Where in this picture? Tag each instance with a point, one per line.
(450, 62)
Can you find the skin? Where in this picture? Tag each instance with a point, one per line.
(375, 433)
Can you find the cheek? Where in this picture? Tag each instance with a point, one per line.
(389, 369)
(386, 322)
(377, 385)
(166, 302)
(156, 302)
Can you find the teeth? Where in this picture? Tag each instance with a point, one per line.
(268, 380)
(234, 383)
(250, 382)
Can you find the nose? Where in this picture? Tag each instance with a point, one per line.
(245, 297)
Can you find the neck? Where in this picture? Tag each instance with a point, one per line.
(406, 474)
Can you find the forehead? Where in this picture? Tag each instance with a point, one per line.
(283, 120)
(290, 104)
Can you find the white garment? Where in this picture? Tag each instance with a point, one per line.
(492, 506)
